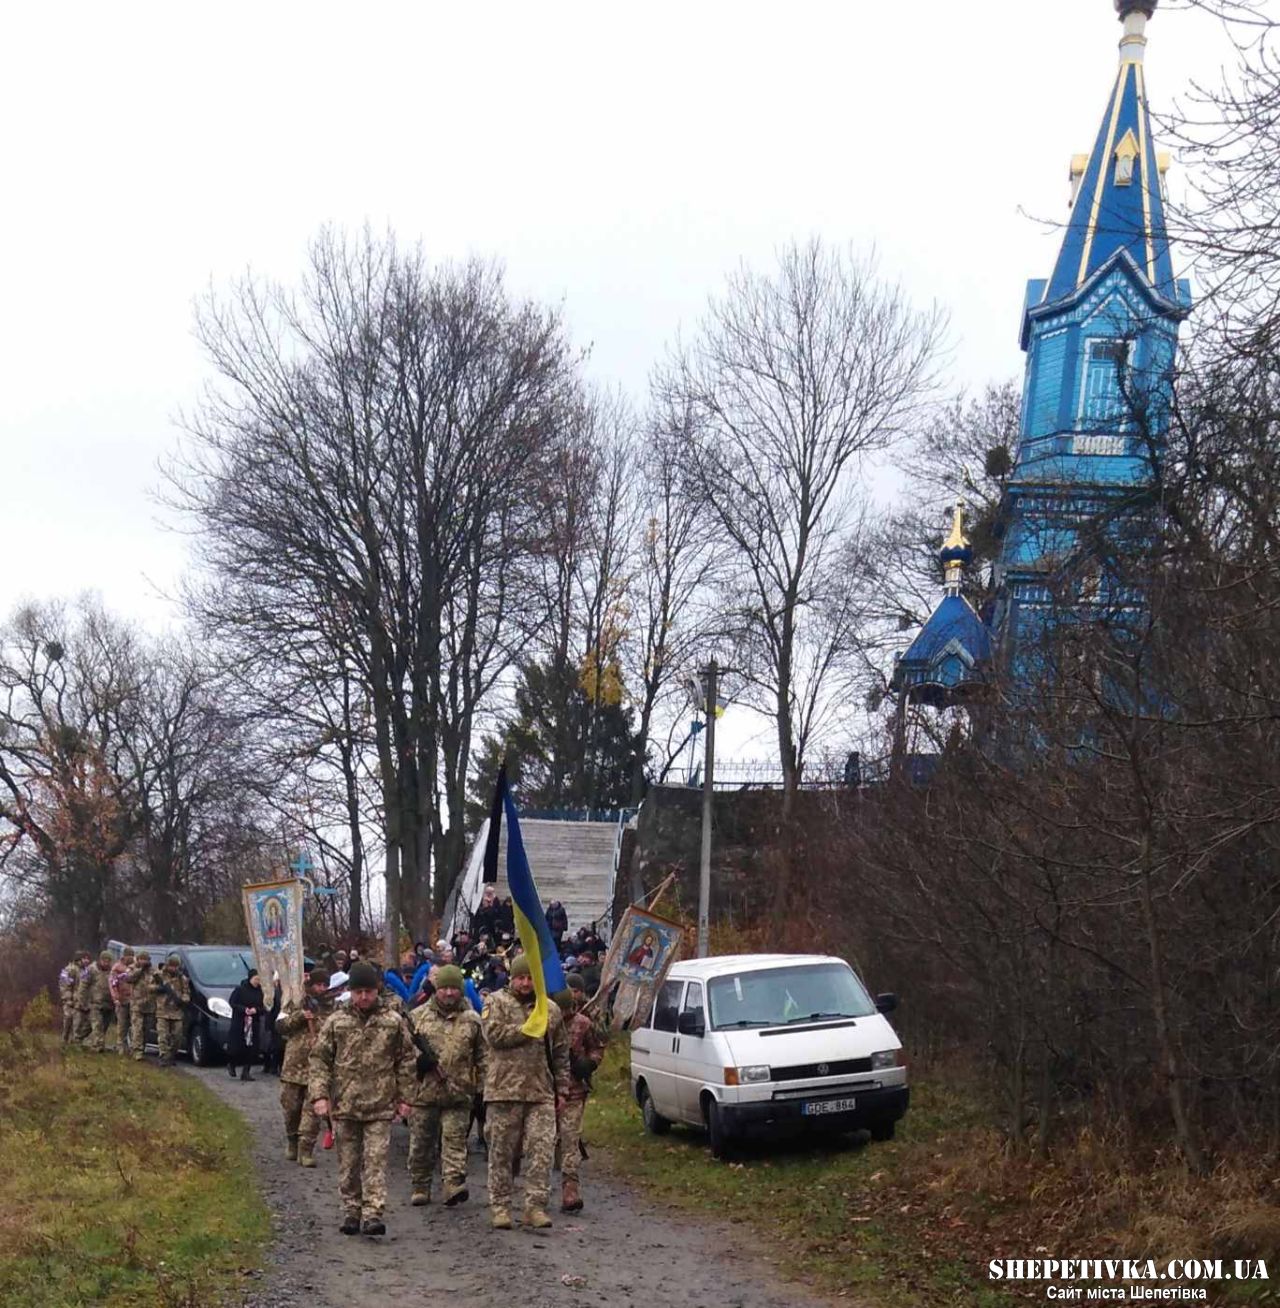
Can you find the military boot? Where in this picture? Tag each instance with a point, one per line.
(350, 1224)
(421, 1195)
(570, 1197)
(305, 1158)
(456, 1195)
(535, 1217)
(374, 1226)
(500, 1219)
(291, 1149)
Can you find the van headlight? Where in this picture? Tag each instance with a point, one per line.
(756, 1072)
(886, 1058)
(219, 1007)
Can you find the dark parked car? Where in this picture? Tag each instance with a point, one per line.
(215, 971)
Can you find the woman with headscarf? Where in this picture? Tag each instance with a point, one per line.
(246, 1004)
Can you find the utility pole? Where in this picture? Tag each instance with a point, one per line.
(708, 794)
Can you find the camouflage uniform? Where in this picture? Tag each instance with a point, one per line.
(442, 1098)
(171, 991)
(95, 999)
(301, 1125)
(122, 997)
(586, 1049)
(142, 1005)
(523, 1077)
(68, 982)
(368, 1060)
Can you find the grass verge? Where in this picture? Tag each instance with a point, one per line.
(120, 1184)
(913, 1222)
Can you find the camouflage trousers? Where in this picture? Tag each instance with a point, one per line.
(99, 1020)
(438, 1133)
(81, 1033)
(362, 1166)
(568, 1134)
(300, 1123)
(137, 1031)
(168, 1037)
(70, 1013)
(124, 1025)
(527, 1132)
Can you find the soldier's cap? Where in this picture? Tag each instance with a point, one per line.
(106, 957)
(318, 977)
(521, 967)
(174, 958)
(564, 998)
(128, 953)
(575, 982)
(363, 976)
(144, 956)
(449, 976)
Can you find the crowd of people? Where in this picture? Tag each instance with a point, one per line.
(439, 1041)
(123, 993)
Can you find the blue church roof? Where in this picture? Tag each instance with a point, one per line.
(951, 653)
(1120, 205)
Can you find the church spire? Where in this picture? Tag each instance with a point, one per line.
(1118, 198)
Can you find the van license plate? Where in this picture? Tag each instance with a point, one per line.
(815, 1107)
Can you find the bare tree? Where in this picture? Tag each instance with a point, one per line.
(792, 380)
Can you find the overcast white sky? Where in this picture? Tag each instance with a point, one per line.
(619, 157)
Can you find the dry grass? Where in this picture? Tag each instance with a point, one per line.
(914, 1222)
(120, 1184)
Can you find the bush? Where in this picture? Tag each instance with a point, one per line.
(38, 1014)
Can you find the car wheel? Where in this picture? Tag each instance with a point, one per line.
(654, 1122)
(883, 1130)
(200, 1045)
(718, 1130)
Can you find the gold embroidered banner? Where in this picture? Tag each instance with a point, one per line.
(273, 914)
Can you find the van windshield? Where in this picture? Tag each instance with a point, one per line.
(219, 967)
(778, 996)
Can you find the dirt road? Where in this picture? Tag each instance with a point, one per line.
(625, 1251)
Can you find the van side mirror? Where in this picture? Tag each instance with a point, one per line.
(691, 1024)
(886, 1003)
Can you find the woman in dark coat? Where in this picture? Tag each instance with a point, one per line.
(246, 1005)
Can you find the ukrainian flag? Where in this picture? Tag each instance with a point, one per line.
(531, 921)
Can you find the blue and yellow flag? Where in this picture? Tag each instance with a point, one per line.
(531, 921)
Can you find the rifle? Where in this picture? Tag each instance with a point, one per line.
(427, 1061)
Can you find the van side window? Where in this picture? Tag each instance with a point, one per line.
(693, 999)
(667, 1006)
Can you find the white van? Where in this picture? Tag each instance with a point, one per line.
(768, 1043)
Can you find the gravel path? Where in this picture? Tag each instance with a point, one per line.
(625, 1251)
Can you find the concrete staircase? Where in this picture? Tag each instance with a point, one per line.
(571, 862)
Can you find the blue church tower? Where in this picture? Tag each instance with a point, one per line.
(1100, 337)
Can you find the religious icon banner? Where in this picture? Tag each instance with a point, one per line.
(273, 914)
(640, 955)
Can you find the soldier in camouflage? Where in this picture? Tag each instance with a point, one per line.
(525, 1080)
(171, 991)
(298, 1025)
(586, 1049)
(122, 998)
(142, 1005)
(68, 986)
(95, 998)
(450, 1076)
(365, 1053)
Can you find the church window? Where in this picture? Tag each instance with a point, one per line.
(1106, 364)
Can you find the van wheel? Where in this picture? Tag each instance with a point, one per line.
(882, 1130)
(200, 1046)
(654, 1122)
(718, 1130)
